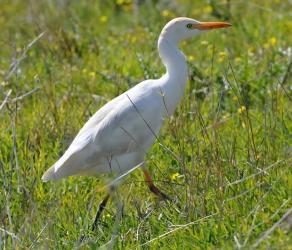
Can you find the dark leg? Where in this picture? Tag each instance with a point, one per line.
(153, 188)
(99, 211)
(97, 217)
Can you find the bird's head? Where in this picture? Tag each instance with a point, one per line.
(182, 27)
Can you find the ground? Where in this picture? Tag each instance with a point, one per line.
(224, 157)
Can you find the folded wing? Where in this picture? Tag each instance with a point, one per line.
(117, 128)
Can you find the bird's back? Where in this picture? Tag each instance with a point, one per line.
(127, 125)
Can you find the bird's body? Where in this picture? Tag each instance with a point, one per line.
(117, 137)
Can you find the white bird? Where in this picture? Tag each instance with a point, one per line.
(117, 137)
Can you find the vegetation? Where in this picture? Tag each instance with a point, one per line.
(228, 160)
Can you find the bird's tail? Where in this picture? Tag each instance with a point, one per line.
(49, 174)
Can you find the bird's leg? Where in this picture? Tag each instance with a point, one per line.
(99, 211)
(152, 187)
(97, 216)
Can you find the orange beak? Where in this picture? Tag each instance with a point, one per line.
(211, 25)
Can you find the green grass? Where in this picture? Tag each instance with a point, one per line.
(230, 139)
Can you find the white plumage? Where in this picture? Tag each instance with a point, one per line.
(117, 137)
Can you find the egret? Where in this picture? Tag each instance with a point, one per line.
(116, 138)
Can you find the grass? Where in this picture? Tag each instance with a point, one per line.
(228, 167)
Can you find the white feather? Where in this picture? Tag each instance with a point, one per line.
(117, 137)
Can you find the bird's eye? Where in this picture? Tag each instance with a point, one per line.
(189, 25)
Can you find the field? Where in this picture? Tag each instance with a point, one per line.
(225, 156)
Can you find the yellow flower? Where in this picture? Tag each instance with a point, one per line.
(92, 74)
(166, 13)
(103, 19)
(266, 45)
(222, 54)
(208, 9)
(238, 59)
(241, 109)
(204, 42)
(273, 41)
(119, 2)
(270, 43)
(191, 58)
(174, 176)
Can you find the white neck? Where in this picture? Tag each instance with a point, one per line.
(173, 59)
(176, 71)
